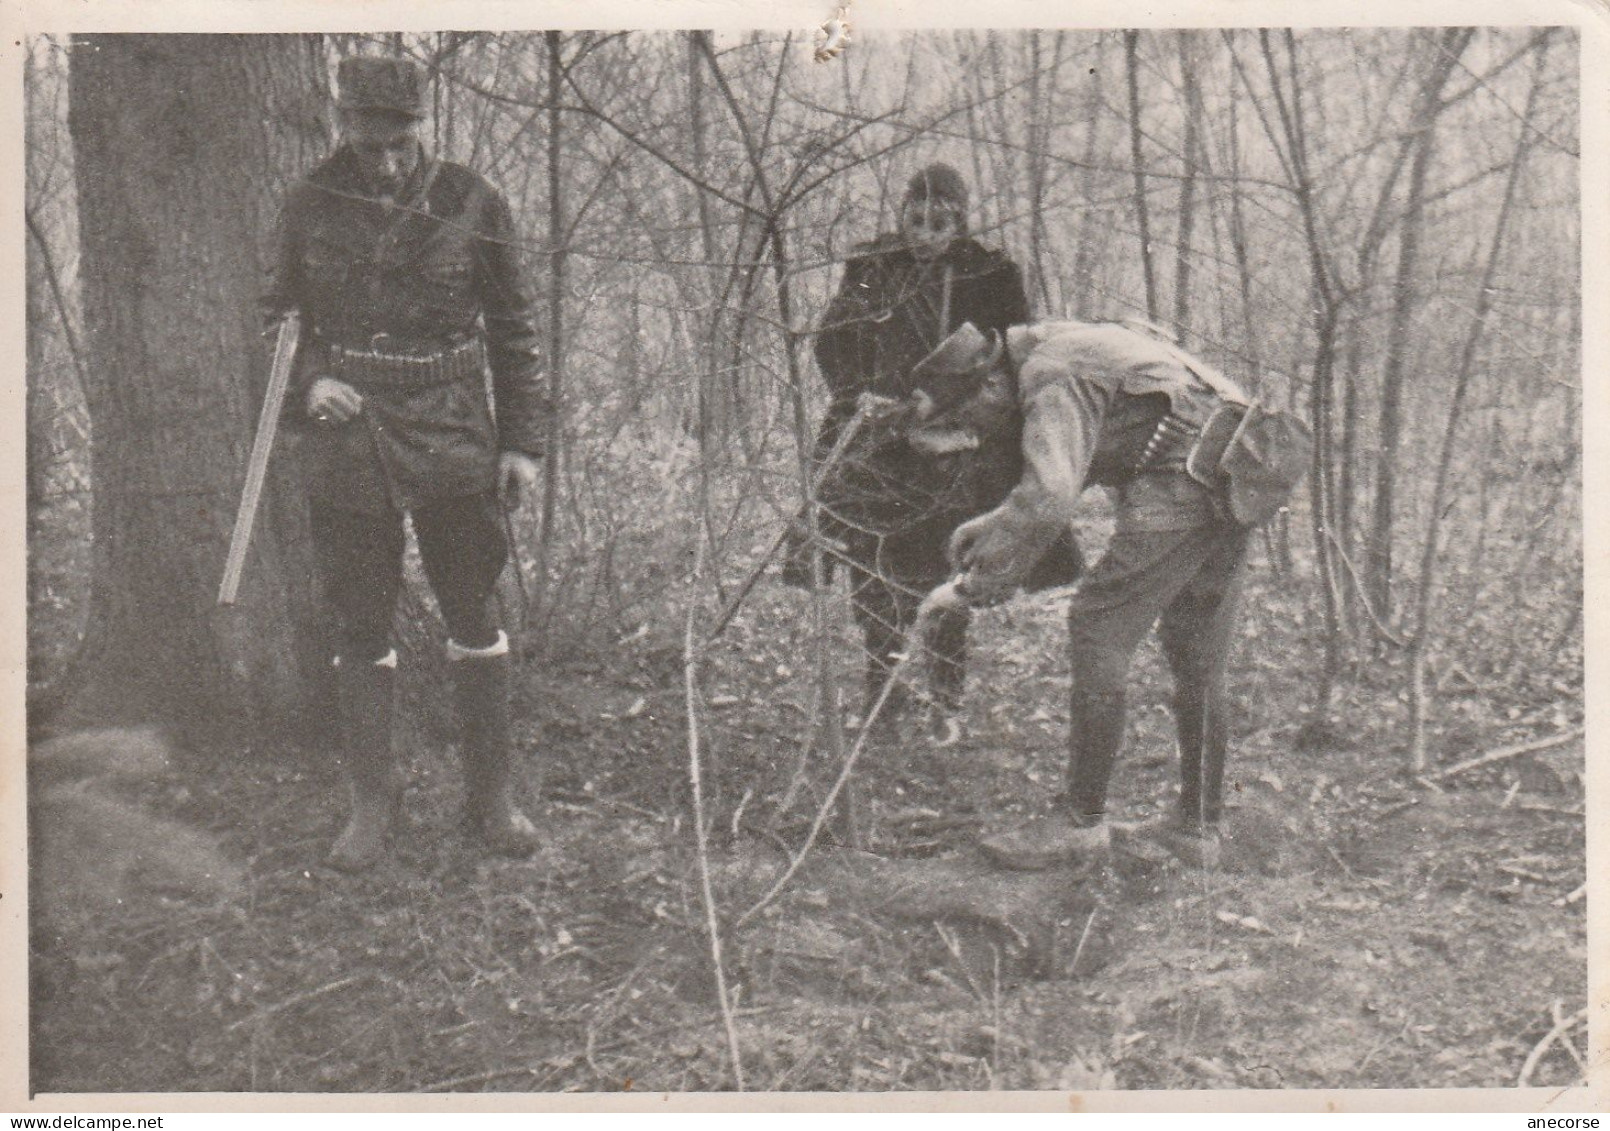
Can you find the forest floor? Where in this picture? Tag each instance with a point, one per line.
(1363, 931)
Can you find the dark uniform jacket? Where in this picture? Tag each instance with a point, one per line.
(891, 310)
(434, 272)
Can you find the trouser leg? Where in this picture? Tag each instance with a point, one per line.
(876, 601)
(1136, 580)
(360, 561)
(1096, 720)
(1196, 633)
(463, 548)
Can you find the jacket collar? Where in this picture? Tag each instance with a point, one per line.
(339, 172)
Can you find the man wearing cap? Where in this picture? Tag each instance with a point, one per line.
(890, 507)
(405, 272)
(1195, 467)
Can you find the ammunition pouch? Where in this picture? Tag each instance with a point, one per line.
(1252, 458)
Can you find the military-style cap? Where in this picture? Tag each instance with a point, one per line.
(956, 372)
(939, 183)
(377, 82)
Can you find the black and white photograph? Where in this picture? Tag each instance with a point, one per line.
(823, 553)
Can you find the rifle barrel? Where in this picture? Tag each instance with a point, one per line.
(268, 418)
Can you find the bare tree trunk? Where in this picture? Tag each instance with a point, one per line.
(183, 144)
(1042, 103)
(715, 394)
(1187, 207)
(556, 312)
(1082, 256)
(1346, 467)
(1389, 438)
(1426, 601)
(1138, 161)
(1327, 305)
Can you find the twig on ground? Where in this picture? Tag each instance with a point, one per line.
(1515, 751)
(1525, 808)
(457, 1082)
(302, 998)
(1079, 949)
(953, 945)
(1523, 874)
(1337, 856)
(690, 661)
(1398, 807)
(1575, 897)
(1562, 1026)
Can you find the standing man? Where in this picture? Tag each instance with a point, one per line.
(1195, 467)
(404, 270)
(892, 507)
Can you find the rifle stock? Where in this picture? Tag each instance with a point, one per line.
(268, 419)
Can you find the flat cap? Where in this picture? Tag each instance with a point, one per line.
(378, 82)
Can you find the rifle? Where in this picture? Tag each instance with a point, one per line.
(268, 421)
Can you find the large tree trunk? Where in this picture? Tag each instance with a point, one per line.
(184, 144)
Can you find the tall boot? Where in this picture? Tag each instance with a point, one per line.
(1095, 732)
(374, 780)
(481, 686)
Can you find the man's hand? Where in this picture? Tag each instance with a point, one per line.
(987, 554)
(876, 406)
(517, 478)
(333, 402)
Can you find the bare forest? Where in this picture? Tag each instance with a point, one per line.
(1378, 229)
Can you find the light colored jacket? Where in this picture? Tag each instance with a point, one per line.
(1090, 395)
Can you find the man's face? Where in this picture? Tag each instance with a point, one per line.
(386, 145)
(929, 226)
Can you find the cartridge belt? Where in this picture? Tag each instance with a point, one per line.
(387, 364)
(1170, 444)
(1197, 449)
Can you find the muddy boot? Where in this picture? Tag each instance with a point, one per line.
(1192, 842)
(481, 686)
(374, 780)
(1046, 842)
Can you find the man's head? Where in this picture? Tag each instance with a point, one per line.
(934, 210)
(382, 101)
(966, 393)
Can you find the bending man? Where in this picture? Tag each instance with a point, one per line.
(1194, 469)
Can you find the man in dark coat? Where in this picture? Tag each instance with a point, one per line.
(404, 270)
(1195, 467)
(891, 507)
